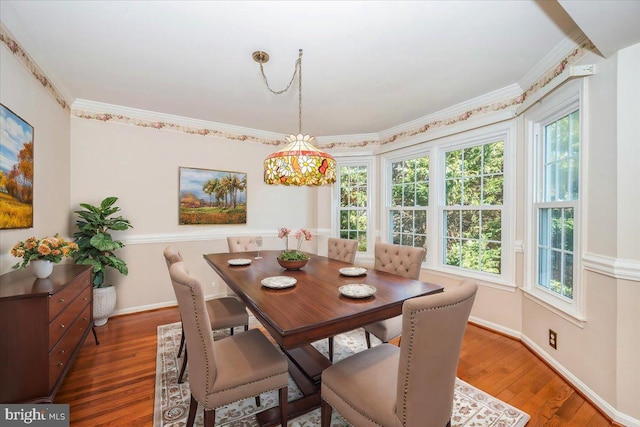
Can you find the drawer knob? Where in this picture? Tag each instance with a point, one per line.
(62, 325)
(86, 299)
(60, 364)
(61, 300)
(62, 351)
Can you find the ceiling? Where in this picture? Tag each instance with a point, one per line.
(367, 66)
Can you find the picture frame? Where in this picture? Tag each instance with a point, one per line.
(16, 170)
(209, 196)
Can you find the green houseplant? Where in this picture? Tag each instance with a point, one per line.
(96, 247)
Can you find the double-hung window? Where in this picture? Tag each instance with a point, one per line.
(409, 201)
(473, 207)
(555, 136)
(354, 202)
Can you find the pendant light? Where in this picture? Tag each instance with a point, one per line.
(299, 162)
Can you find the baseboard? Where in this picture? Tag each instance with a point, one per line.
(598, 402)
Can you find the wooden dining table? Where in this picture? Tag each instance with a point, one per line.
(312, 309)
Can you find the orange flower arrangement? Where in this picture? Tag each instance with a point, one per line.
(52, 248)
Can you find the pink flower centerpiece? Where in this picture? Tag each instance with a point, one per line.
(288, 256)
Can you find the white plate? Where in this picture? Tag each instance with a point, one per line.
(278, 282)
(353, 271)
(355, 290)
(239, 261)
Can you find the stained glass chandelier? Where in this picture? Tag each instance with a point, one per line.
(299, 162)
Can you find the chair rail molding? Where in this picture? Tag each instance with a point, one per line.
(618, 268)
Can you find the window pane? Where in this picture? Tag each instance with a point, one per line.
(472, 163)
(491, 225)
(409, 196)
(452, 224)
(567, 288)
(396, 195)
(453, 164)
(420, 222)
(422, 194)
(543, 267)
(454, 192)
(492, 190)
(471, 191)
(471, 224)
(452, 254)
(493, 158)
(556, 271)
(543, 227)
(491, 257)
(471, 254)
(568, 229)
(556, 228)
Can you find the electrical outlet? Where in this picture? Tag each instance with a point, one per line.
(214, 284)
(553, 339)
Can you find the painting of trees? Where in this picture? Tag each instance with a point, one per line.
(16, 171)
(212, 197)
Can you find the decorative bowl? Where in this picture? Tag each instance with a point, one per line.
(293, 264)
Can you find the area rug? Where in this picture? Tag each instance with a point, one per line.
(472, 407)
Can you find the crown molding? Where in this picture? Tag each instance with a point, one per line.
(553, 59)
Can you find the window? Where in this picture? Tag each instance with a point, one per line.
(353, 210)
(409, 201)
(473, 207)
(554, 151)
(557, 202)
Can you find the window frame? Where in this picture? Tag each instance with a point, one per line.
(564, 101)
(498, 132)
(367, 161)
(504, 131)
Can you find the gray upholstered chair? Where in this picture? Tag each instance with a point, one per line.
(410, 386)
(341, 250)
(404, 261)
(241, 243)
(225, 312)
(225, 371)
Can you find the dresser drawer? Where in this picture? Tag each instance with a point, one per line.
(60, 354)
(60, 324)
(58, 301)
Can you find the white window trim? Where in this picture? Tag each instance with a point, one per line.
(501, 131)
(434, 150)
(564, 101)
(369, 162)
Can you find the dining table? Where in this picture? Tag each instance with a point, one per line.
(324, 298)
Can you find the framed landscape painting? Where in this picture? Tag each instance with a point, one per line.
(16, 171)
(212, 197)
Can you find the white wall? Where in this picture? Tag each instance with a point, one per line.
(24, 95)
(140, 166)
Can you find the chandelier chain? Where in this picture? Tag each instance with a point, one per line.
(297, 71)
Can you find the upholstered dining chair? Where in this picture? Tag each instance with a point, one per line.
(225, 312)
(225, 371)
(410, 386)
(341, 250)
(241, 243)
(404, 261)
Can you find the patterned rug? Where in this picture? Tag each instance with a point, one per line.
(472, 407)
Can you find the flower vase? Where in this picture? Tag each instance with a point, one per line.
(41, 268)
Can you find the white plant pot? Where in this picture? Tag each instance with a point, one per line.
(41, 268)
(104, 302)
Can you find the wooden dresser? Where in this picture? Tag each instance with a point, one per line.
(43, 323)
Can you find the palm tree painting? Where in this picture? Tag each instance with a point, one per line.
(212, 197)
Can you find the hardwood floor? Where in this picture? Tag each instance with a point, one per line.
(113, 384)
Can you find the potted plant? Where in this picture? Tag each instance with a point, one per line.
(96, 247)
(293, 259)
(41, 254)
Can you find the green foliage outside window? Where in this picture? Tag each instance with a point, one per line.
(474, 195)
(409, 202)
(560, 169)
(353, 204)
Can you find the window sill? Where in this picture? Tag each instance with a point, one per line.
(575, 318)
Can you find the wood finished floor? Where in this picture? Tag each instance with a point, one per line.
(113, 384)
